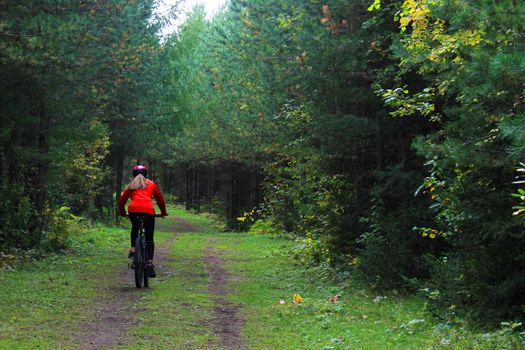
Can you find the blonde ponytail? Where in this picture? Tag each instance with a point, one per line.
(138, 183)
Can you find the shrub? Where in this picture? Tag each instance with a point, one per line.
(16, 215)
(391, 250)
(263, 227)
(61, 224)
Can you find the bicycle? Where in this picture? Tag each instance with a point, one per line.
(140, 258)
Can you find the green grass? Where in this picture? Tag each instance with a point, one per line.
(360, 319)
(201, 221)
(355, 321)
(45, 304)
(175, 312)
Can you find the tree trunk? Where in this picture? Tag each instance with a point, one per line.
(379, 146)
(233, 197)
(40, 183)
(187, 187)
(151, 170)
(210, 195)
(165, 177)
(197, 189)
(12, 164)
(111, 200)
(402, 148)
(251, 191)
(119, 165)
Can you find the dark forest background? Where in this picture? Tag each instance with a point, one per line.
(383, 135)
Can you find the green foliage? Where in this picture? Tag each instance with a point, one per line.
(470, 149)
(263, 227)
(78, 77)
(299, 105)
(17, 214)
(393, 253)
(62, 224)
(519, 209)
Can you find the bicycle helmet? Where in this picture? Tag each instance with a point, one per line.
(140, 169)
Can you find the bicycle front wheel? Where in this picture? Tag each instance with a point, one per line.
(138, 262)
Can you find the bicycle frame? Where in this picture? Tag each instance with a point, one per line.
(141, 257)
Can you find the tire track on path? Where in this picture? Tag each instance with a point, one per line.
(113, 313)
(227, 321)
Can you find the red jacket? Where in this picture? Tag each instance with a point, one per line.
(141, 200)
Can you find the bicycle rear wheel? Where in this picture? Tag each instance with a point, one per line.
(145, 273)
(138, 261)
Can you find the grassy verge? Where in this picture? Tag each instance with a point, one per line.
(360, 319)
(46, 302)
(43, 302)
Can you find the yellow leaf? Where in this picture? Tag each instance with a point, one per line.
(297, 298)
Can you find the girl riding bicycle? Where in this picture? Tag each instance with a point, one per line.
(141, 191)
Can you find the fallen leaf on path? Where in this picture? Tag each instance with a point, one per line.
(297, 298)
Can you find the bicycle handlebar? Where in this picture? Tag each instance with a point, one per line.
(156, 215)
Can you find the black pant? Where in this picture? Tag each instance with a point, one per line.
(149, 226)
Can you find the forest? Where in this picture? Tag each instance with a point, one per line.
(385, 137)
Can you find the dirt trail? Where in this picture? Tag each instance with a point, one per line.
(113, 313)
(174, 224)
(227, 322)
(112, 318)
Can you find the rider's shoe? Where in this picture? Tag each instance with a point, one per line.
(131, 254)
(151, 269)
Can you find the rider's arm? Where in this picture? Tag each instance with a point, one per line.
(122, 201)
(160, 200)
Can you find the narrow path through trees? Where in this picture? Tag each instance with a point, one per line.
(119, 307)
